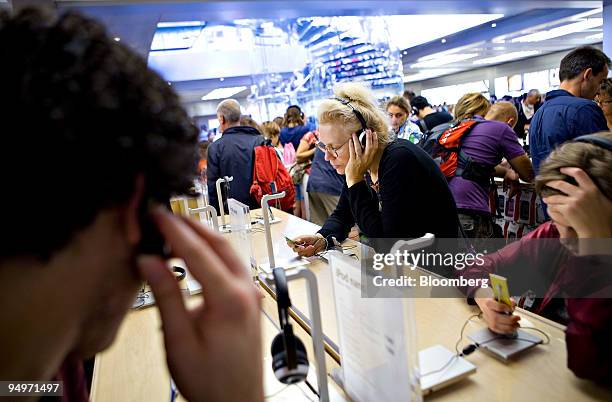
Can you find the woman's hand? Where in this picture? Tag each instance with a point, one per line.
(308, 245)
(498, 316)
(360, 159)
(584, 208)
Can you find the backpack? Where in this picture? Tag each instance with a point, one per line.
(288, 154)
(270, 177)
(442, 143)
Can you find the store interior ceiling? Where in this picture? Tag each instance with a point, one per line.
(434, 38)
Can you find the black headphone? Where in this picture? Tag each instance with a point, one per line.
(289, 358)
(362, 121)
(595, 140)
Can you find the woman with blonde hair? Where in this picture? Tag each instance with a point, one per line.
(565, 263)
(392, 188)
(480, 151)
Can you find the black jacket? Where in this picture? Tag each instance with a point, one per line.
(414, 199)
(232, 155)
(519, 127)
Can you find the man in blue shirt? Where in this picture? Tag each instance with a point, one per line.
(569, 111)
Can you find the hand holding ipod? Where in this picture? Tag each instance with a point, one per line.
(361, 156)
(223, 332)
(497, 315)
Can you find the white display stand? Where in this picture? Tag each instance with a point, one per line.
(289, 259)
(207, 215)
(240, 222)
(377, 339)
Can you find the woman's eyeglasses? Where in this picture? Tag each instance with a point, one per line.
(328, 148)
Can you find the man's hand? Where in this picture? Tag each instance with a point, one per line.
(213, 351)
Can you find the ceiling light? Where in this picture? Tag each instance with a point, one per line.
(443, 40)
(588, 13)
(493, 25)
(221, 79)
(443, 60)
(597, 36)
(507, 57)
(181, 24)
(561, 31)
(406, 31)
(222, 93)
(472, 47)
(432, 73)
(117, 39)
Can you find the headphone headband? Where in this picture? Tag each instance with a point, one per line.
(357, 113)
(595, 140)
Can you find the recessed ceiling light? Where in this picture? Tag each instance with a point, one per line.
(561, 31)
(444, 60)
(507, 57)
(493, 25)
(221, 79)
(222, 93)
(443, 40)
(597, 36)
(117, 39)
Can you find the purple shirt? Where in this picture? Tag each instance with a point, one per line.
(488, 142)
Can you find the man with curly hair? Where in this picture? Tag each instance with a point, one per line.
(93, 143)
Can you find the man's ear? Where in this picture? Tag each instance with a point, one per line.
(132, 211)
(588, 74)
(512, 122)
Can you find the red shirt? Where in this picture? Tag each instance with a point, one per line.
(549, 269)
(72, 374)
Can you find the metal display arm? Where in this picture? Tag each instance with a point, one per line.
(209, 209)
(265, 209)
(220, 180)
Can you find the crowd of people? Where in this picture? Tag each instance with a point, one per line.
(111, 135)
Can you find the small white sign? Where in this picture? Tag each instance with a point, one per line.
(374, 339)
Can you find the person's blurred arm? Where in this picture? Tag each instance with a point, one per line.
(214, 350)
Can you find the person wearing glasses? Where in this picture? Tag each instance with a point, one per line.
(604, 100)
(392, 188)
